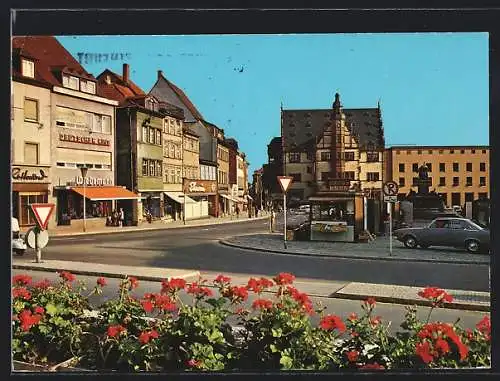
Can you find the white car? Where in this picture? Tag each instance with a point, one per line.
(18, 243)
(305, 208)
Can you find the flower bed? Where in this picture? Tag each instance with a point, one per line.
(55, 324)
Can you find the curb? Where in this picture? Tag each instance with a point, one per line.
(423, 303)
(102, 273)
(154, 228)
(227, 243)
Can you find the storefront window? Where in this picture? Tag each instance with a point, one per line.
(26, 217)
(334, 211)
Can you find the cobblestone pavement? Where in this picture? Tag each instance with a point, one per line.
(377, 249)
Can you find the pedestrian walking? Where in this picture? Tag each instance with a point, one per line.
(122, 217)
(237, 211)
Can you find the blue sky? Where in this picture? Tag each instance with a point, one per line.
(433, 87)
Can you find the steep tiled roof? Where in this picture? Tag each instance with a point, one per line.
(159, 90)
(118, 89)
(302, 127)
(51, 58)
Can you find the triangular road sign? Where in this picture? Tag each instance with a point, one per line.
(285, 182)
(42, 214)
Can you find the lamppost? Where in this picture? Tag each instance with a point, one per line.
(84, 169)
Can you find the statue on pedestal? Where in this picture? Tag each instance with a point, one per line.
(423, 179)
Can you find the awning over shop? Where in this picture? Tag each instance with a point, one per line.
(229, 197)
(326, 199)
(179, 197)
(106, 193)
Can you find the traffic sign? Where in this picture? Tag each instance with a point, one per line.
(285, 182)
(390, 198)
(32, 240)
(42, 214)
(390, 188)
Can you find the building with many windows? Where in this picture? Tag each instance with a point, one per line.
(334, 144)
(458, 173)
(73, 128)
(140, 152)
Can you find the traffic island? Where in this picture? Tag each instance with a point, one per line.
(377, 249)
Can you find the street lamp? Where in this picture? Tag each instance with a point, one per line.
(84, 169)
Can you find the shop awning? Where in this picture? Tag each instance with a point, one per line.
(106, 193)
(229, 197)
(179, 197)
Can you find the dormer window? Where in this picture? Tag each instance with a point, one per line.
(71, 82)
(28, 68)
(87, 86)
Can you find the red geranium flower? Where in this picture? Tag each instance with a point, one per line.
(424, 351)
(144, 337)
(115, 330)
(67, 276)
(436, 295)
(164, 303)
(237, 293)
(28, 320)
(195, 289)
(435, 331)
(352, 356)
(442, 346)
(134, 283)
(21, 292)
(284, 278)
(42, 284)
(370, 302)
(263, 304)
(153, 334)
(484, 326)
(101, 281)
(147, 305)
(353, 317)
(173, 284)
(222, 279)
(258, 285)
(375, 320)
(39, 310)
(331, 322)
(21, 279)
(470, 334)
(375, 365)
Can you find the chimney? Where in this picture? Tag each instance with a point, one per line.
(160, 74)
(126, 73)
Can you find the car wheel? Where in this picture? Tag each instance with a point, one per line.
(19, 251)
(410, 242)
(472, 246)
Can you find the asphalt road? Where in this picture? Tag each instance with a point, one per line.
(392, 313)
(198, 248)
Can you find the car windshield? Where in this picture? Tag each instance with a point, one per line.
(475, 226)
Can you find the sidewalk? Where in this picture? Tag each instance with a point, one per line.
(62, 231)
(374, 250)
(463, 300)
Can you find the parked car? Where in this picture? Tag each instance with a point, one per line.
(305, 209)
(18, 243)
(449, 231)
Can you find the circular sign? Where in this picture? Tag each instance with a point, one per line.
(43, 238)
(391, 188)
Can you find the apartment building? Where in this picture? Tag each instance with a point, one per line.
(458, 173)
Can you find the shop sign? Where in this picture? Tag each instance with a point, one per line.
(338, 185)
(93, 181)
(329, 228)
(84, 140)
(199, 186)
(29, 174)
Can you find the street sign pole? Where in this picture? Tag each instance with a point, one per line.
(390, 229)
(38, 250)
(284, 213)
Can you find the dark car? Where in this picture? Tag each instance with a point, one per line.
(447, 231)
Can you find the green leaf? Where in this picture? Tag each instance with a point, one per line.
(274, 348)
(277, 332)
(286, 361)
(51, 309)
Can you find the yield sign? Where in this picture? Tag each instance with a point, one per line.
(285, 182)
(42, 213)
